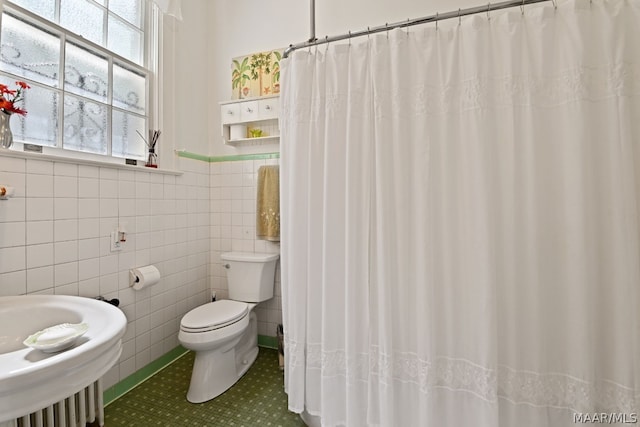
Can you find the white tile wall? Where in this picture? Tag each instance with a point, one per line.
(54, 239)
(233, 218)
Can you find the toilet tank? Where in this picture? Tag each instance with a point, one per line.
(250, 276)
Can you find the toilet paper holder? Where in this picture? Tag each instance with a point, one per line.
(6, 192)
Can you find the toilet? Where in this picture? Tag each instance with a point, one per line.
(224, 333)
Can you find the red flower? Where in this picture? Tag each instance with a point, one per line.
(9, 108)
(20, 111)
(9, 97)
(5, 90)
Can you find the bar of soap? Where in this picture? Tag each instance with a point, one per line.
(54, 335)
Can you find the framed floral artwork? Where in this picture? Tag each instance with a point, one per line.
(255, 75)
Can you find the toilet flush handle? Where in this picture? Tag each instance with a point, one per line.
(227, 266)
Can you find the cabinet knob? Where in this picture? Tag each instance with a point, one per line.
(249, 110)
(268, 107)
(229, 112)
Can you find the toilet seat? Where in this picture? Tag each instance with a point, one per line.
(214, 315)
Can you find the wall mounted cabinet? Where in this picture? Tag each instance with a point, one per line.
(250, 120)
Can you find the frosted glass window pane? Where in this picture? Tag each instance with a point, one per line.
(40, 125)
(129, 90)
(86, 73)
(129, 10)
(44, 8)
(125, 141)
(83, 18)
(29, 52)
(85, 125)
(98, 104)
(124, 40)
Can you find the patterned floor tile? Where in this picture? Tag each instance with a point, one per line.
(257, 400)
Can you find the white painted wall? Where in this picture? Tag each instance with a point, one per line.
(240, 27)
(198, 51)
(186, 81)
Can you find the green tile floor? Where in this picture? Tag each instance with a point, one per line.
(257, 400)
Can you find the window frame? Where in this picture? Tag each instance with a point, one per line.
(151, 27)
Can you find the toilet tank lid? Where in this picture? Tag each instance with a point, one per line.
(248, 257)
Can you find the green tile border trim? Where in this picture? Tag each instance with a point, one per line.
(140, 376)
(194, 156)
(267, 341)
(240, 157)
(233, 158)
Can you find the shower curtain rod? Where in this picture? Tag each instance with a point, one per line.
(408, 23)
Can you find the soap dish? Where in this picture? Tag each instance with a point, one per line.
(56, 338)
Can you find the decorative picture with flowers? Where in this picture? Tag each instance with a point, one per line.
(256, 75)
(9, 98)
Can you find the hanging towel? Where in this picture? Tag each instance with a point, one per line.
(268, 207)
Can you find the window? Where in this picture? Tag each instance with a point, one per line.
(88, 67)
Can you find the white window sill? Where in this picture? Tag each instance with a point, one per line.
(112, 162)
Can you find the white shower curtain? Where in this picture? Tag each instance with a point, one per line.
(460, 225)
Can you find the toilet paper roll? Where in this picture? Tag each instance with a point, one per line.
(142, 277)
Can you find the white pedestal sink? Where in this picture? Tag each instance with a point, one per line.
(31, 379)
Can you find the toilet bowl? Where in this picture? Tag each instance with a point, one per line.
(224, 333)
(220, 360)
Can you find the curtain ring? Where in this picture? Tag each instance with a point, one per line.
(386, 24)
(368, 33)
(349, 37)
(522, 8)
(488, 10)
(459, 17)
(437, 19)
(408, 26)
(326, 40)
(555, 4)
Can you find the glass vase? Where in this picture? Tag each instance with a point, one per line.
(152, 159)
(6, 137)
